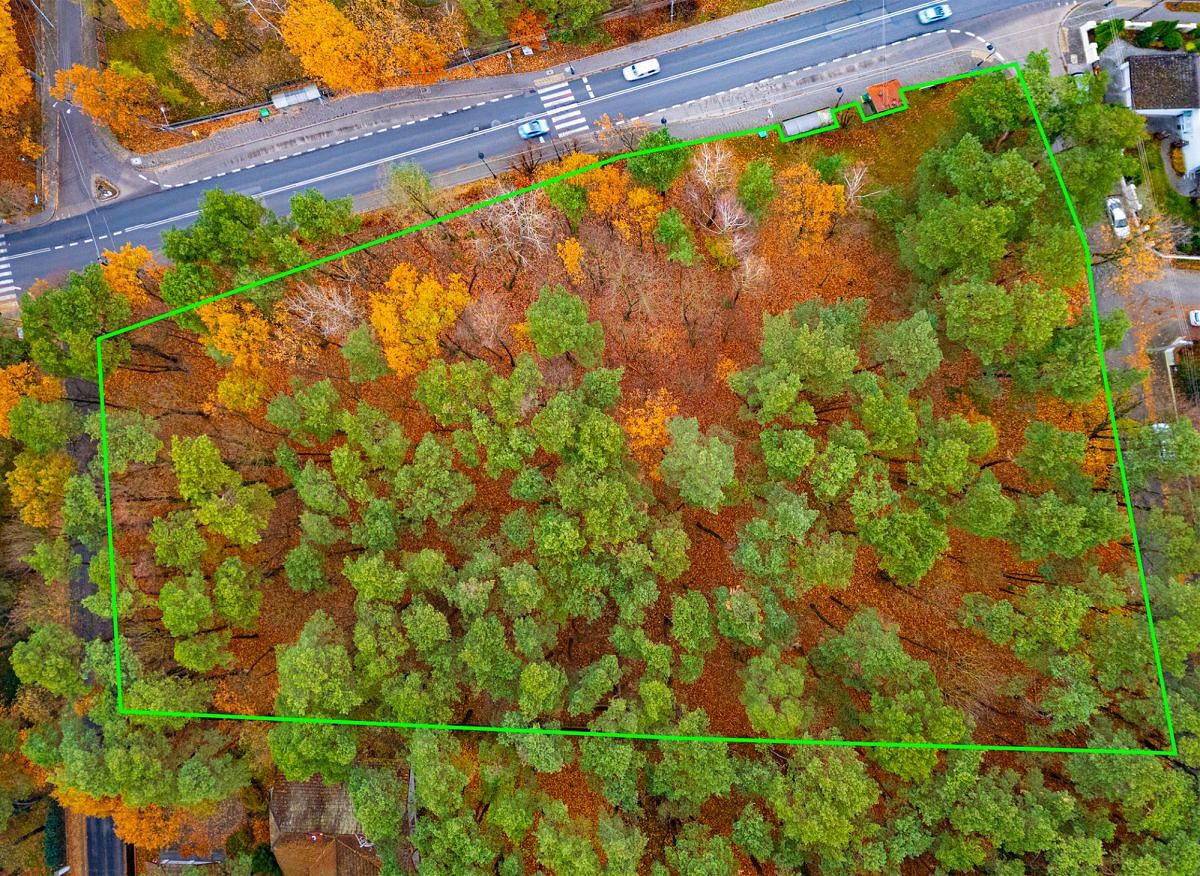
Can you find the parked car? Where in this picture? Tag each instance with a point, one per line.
(1194, 318)
(931, 14)
(641, 69)
(1117, 217)
(533, 129)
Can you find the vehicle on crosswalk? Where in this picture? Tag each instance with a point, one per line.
(641, 69)
(534, 129)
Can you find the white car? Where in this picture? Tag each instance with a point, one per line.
(1194, 318)
(1117, 217)
(641, 69)
(937, 12)
(535, 128)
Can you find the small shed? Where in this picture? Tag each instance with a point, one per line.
(293, 96)
(884, 96)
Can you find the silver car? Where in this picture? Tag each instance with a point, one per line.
(533, 129)
(1117, 217)
(937, 12)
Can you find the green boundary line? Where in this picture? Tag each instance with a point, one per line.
(840, 743)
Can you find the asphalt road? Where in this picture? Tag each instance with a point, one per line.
(105, 851)
(451, 141)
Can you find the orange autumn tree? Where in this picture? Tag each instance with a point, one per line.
(416, 53)
(328, 44)
(400, 46)
(118, 100)
(148, 826)
(16, 88)
(121, 272)
(646, 426)
(84, 804)
(237, 334)
(807, 205)
(566, 164)
(527, 29)
(643, 206)
(134, 13)
(37, 484)
(411, 315)
(21, 380)
(607, 188)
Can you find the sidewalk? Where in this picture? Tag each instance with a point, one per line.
(744, 108)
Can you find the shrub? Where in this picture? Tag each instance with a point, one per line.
(54, 841)
(1177, 163)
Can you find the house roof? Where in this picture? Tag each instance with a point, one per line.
(314, 831)
(885, 95)
(311, 807)
(327, 856)
(1165, 81)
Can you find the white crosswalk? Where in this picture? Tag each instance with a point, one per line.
(8, 289)
(559, 102)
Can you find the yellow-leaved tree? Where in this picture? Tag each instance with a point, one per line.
(807, 205)
(16, 88)
(20, 380)
(643, 206)
(411, 315)
(571, 253)
(328, 44)
(118, 100)
(238, 333)
(37, 484)
(134, 13)
(646, 426)
(122, 269)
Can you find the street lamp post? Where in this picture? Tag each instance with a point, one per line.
(462, 42)
(38, 9)
(488, 166)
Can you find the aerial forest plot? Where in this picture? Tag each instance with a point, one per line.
(707, 442)
(747, 439)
